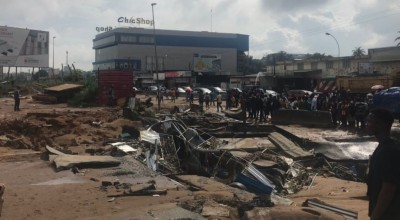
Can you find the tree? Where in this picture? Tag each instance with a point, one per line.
(358, 52)
(398, 39)
(40, 75)
(249, 65)
(316, 56)
(272, 58)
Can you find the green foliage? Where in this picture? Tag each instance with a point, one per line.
(358, 52)
(272, 58)
(317, 56)
(87, 96)
(248, 65)
(40, 74)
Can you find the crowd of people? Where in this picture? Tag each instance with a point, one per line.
(347, 109)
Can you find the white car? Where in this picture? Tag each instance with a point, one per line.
(270, 92)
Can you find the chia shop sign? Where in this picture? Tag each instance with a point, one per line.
(135, 21)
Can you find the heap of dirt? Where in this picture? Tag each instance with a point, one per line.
(63, 129)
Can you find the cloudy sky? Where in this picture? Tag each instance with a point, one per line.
(294, 26)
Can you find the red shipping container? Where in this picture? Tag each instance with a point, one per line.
(122, 83)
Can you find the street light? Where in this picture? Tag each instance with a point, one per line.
(54, 37)
(336, 43)
(155, 54)
(338, 51)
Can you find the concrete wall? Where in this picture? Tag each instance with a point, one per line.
(302, 117)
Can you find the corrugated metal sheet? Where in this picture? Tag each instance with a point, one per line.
(63, 87)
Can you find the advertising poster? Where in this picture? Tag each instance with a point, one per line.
(365, 68)
(206, 63)
(21, 47)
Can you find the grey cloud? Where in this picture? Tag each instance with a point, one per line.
(279, 6)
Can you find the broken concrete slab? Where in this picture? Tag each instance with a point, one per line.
(65, 161)
(213, 186)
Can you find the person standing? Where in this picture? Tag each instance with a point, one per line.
(16, 98)
(191, 98)
(201, 99)
(383, 178)
(110, 96)
(207, 100)
(173, 95)
(219, 102)
(132, 99)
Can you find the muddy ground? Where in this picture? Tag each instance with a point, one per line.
(35, 190)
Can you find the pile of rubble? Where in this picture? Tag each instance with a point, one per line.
(179, 145)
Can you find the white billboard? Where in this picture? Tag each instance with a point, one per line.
(365, 68)
(207, 63)
(23, 47)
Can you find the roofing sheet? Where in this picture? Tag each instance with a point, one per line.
(63, 87)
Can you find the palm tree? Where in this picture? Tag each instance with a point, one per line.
(358, 52)
(398, 39)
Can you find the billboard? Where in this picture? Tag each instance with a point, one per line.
(207, 63)
(365, 68)
(23, 47)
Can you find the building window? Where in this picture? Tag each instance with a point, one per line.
(346, 63)
(329, 64)
(146, 40)
(106, 40)
(314, 65)
(300, 66)
(128, 39)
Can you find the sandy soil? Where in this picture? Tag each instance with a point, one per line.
(34, 190)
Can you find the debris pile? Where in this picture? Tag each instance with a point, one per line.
(195, 149)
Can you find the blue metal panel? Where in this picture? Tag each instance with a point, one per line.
(253, 185)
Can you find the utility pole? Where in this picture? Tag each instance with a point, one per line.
(155, 54)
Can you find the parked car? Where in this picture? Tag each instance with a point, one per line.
(180, 92)
(198, 90)
(153, 89)
(270, 92)
(202, 90)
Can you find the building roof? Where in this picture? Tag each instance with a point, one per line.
(174, 38)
